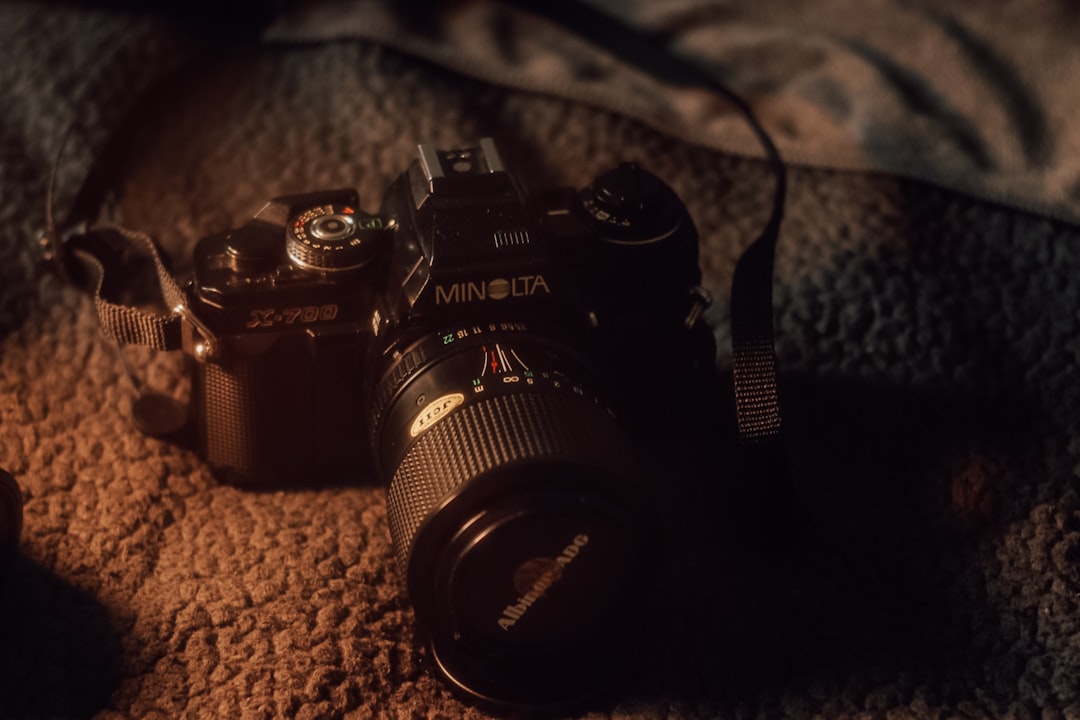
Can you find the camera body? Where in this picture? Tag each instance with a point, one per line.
(493, 356)
(290, 318)
(279, 347)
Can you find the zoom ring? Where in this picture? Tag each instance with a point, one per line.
(492, 433)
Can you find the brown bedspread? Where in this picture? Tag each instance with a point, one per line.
(928, 346)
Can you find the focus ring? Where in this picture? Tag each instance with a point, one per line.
(393, 380)
(493, 433)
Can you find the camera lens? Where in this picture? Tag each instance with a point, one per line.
(514, 506)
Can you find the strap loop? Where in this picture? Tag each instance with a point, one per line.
(123, 323)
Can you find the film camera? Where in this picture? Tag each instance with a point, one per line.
(494, 357)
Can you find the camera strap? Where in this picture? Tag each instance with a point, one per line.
(93, 257)
(753, 351)
(102, 260)
(126, 324)
(757, 404)
(761, 453)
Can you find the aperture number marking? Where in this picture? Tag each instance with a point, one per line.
(462, 333)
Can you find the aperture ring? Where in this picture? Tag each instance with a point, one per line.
(439, 347)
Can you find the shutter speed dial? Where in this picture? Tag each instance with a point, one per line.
(332, 237)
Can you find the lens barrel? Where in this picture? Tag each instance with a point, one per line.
(514, 506)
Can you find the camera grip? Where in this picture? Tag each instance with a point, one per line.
(224, 402)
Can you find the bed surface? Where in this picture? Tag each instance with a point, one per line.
(927, 340)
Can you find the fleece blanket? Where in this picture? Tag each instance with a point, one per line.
(927, 342)
(980, 97)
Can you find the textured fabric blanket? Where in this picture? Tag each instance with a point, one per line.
(927, 343)
(979, 97)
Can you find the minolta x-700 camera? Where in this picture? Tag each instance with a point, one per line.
(494, 357)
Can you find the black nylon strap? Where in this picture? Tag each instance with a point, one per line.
(753, 345)
(126, 324)
(753, 350)
(757, 401)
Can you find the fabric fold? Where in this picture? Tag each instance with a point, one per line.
(976, 97)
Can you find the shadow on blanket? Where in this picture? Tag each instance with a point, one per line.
(60, 655)
(880, 583)
(881, 588)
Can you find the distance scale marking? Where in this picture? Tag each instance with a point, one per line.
(498, 360)
(499, 366)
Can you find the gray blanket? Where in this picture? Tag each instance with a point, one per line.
(979, 97)
(927, 340)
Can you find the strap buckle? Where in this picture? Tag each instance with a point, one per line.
(196, 338)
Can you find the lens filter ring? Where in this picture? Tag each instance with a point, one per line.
(536, 595)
